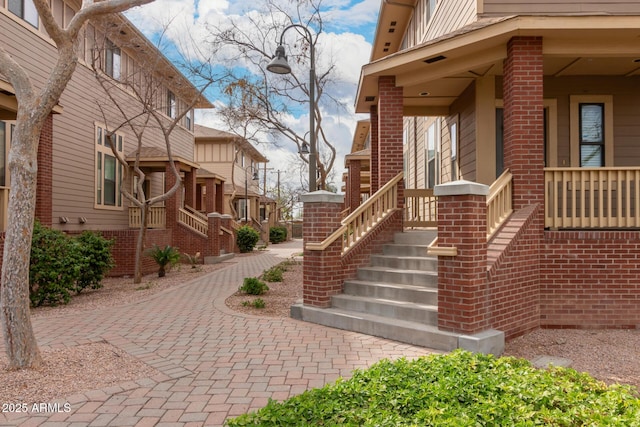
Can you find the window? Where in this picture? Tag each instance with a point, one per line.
(432, 170)
(171, 104)
(591, 130)
(108, 170)
(24, 9)
(591, 135)
(453, 131)
(112, 60)
(187, 120)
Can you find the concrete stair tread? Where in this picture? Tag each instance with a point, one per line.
(388, 302)
(429, 257)
(395, 329)
(392, 285)
(395, 270)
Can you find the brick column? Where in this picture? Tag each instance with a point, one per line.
(353, 187)
(210, 199)
(219, 203)
(462, 279)
(321, 269)
(44, 200)
(523, 120)
(172, 204)
(214, 220)
(190, 188)
(374, 134)
(228, 241)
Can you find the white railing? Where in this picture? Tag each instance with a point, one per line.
(420, 208)
(193, 222)
(195, 213)
(364, 218)
(499, 205)
(606, 197)
(156, 217)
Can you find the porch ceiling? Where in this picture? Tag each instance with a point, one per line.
(436, 73)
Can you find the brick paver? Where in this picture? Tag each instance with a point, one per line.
(213, 363)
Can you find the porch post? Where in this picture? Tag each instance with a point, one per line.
(524, 120)
(374, 134)
(321, 270)
(190, 188)
(210, 195)
(462, 279)
(172, 204)
(390, 133)
(219, 204)
(353, 187)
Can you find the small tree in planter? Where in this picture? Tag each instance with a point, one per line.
(167, 256)
(247, 238)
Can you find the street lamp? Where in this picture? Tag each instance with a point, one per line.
(279, 65)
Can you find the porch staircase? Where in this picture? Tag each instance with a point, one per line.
(396, 297)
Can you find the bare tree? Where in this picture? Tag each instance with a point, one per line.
(34, 106)
(267, 101)
(134, 97)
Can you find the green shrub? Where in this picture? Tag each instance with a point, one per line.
(54, 267)
(274, 274)
(254, 286)
(96, 259)
(247, 238)
(277, 234)
(459, 389)
(256, 303)
(167, 256)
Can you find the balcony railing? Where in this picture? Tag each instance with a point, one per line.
(592, 197)
(420, 208)
(156, 218)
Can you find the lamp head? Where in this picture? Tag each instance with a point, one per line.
(305, 148)
(279, 64)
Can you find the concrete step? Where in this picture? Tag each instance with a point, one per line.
(391, 275)
(403, 250)
(371, 324)
(415, 237)
(394, 309)
(405, 262)
(397, 291)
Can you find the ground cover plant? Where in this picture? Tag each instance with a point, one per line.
(458, 389)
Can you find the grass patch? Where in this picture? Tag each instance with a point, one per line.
(459, 389)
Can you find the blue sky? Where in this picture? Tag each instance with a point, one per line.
(349, 27)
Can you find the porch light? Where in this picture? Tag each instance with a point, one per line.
(279, 64)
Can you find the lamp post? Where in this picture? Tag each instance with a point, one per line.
(246, 191)
(279, 65)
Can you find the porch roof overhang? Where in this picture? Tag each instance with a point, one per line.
(9, 103)
(202, 174)
(156, 159)
(435, 73)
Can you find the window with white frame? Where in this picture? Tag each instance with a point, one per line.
(24, 9)
(108, 170)
(432, 148)
(112, 60)
(171, 104)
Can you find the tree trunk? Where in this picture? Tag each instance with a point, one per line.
(20, 341)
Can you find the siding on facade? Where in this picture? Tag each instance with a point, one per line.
(549, 7)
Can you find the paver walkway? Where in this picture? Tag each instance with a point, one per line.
(214, 363)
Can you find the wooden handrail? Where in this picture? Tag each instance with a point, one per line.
(499, 203)
(193, 222)
(359, 222)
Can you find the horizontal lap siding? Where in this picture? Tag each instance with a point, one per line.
(510, 7)
(73, 154)
(449, 16)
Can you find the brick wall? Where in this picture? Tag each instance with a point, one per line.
(390, 133)
(44, 201)
(514, 274)
(590, 279)
(374, 141)
(124, 249)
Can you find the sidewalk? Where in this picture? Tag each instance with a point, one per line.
(213, 363)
